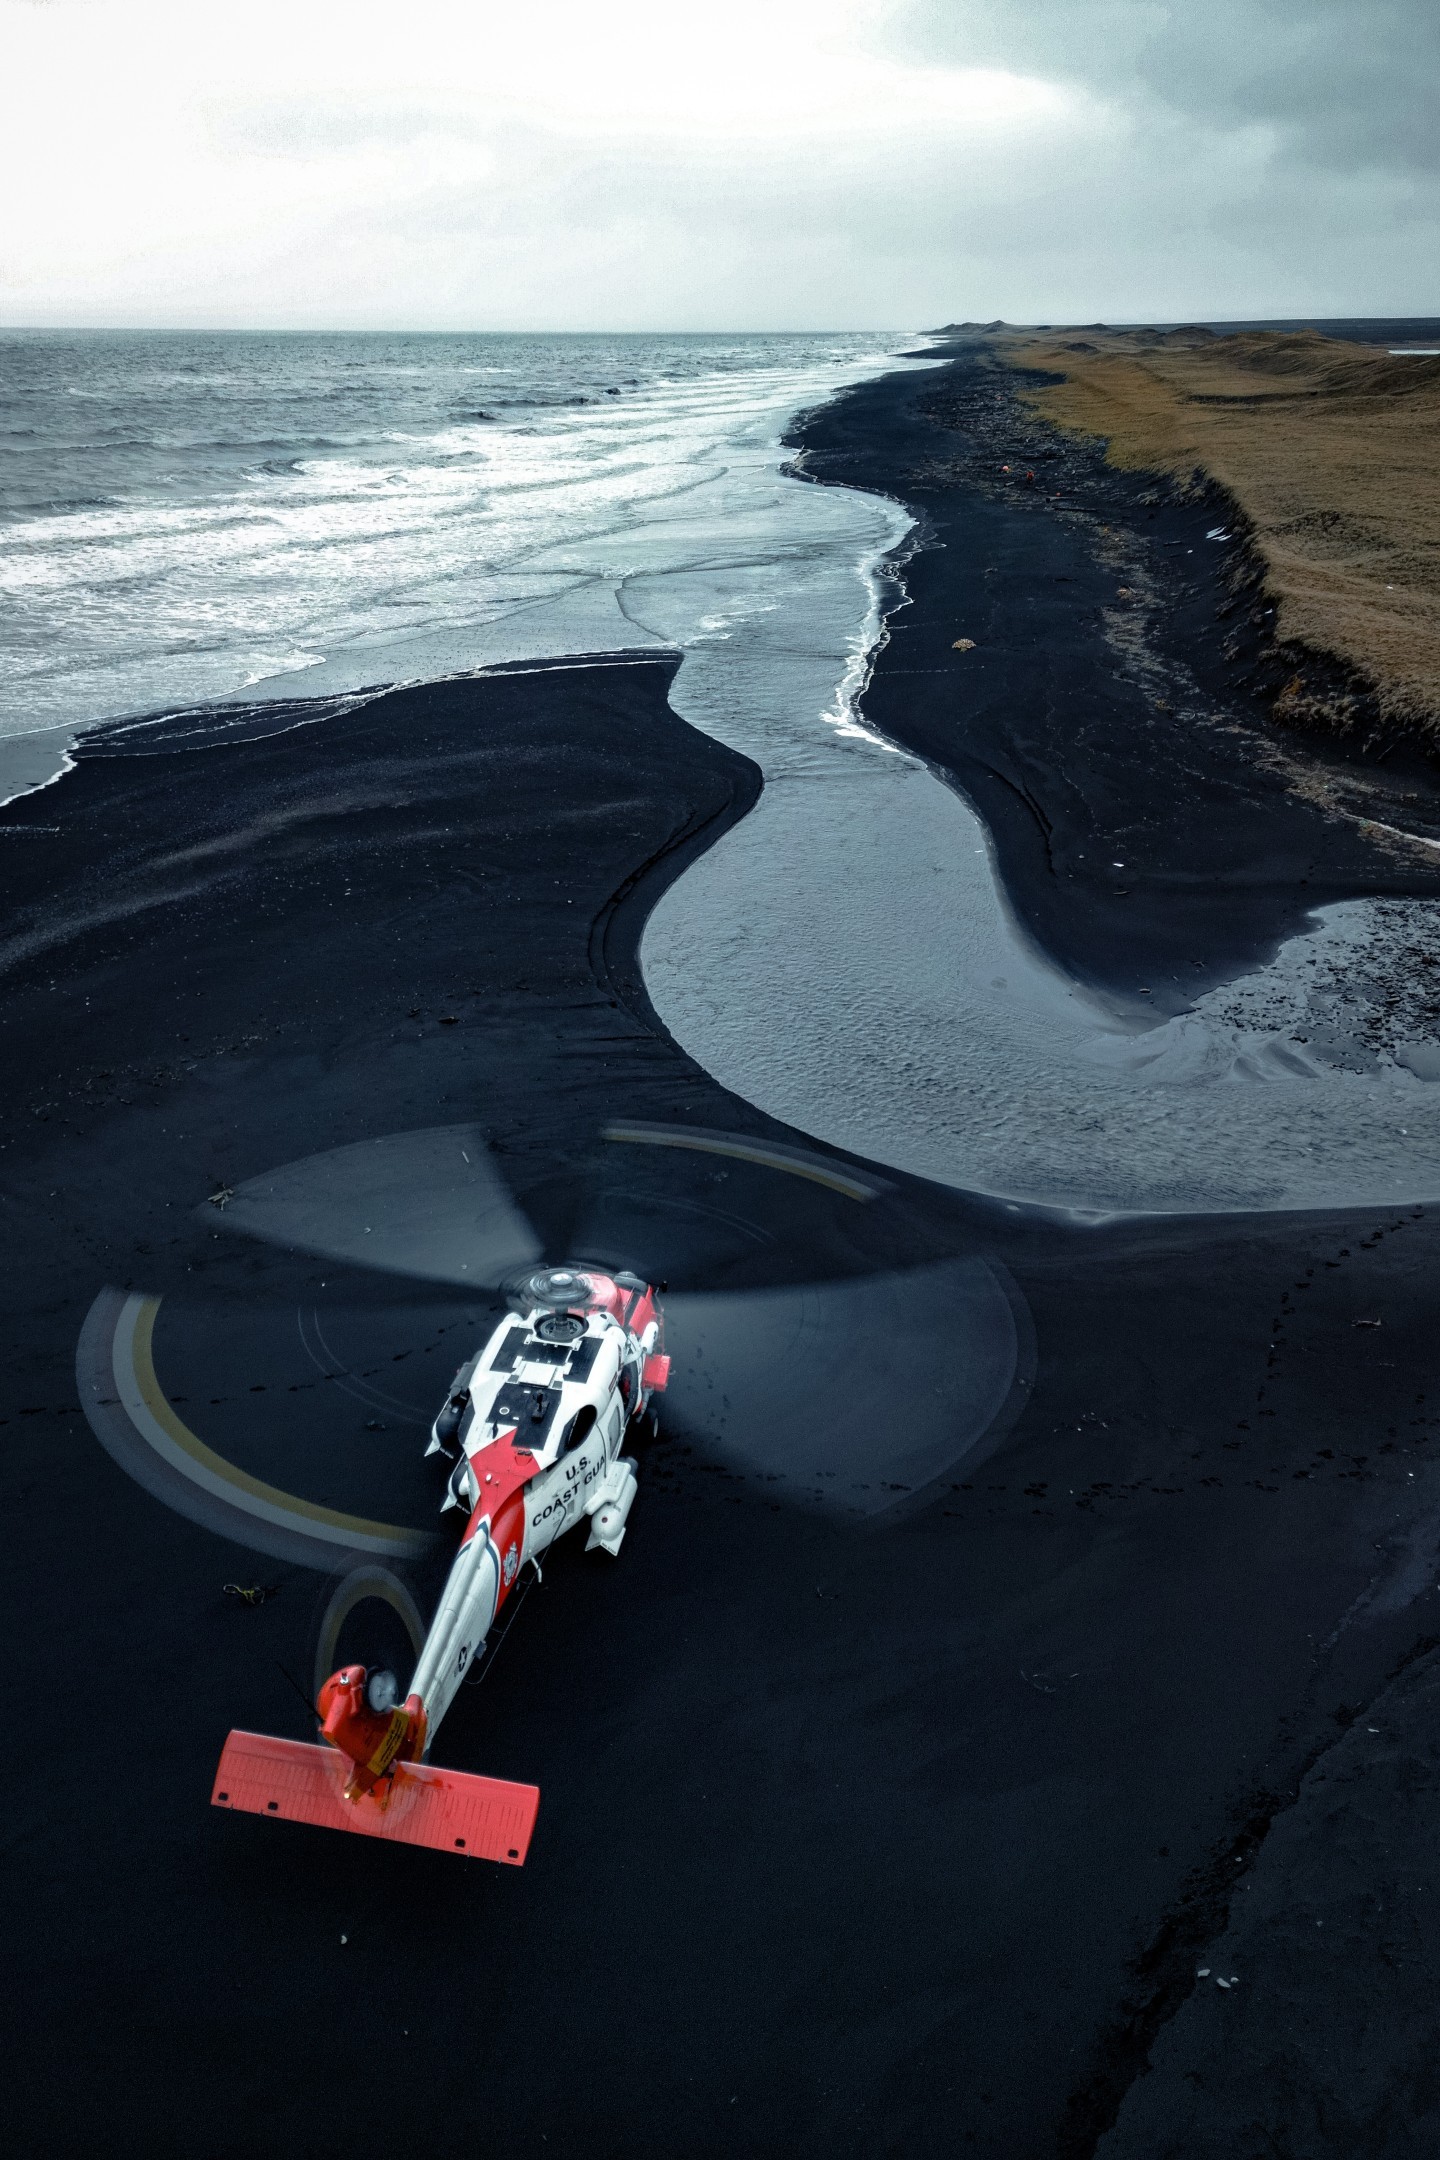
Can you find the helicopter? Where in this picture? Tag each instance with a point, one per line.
(823, 1389)
(533, 1425)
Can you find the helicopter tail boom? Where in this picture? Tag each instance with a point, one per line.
(478, 1818)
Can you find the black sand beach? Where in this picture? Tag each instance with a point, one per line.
(1116, 702)
(898, 1835)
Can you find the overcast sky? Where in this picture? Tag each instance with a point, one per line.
(715, 164)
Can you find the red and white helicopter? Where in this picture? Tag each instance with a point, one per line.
(534, 1426)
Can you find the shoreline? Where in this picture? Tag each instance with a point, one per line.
(864, 960)
(513, 528)
(991, 548)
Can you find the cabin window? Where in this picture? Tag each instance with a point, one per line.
(578, 1429)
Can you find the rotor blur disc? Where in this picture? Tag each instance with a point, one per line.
(371, 1618)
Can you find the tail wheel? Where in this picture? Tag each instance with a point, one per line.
(382, 1691)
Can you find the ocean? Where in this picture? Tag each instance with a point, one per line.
(187, 517)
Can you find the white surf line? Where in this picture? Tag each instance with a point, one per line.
(1416, 839)
(52, 765)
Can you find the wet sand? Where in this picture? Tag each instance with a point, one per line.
(899, 1830)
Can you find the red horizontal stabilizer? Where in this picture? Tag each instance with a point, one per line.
(480, 1818)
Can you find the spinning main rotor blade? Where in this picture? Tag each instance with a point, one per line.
(428, 1204)
(851, 1393)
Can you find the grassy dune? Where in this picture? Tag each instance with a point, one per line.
(1331, 454)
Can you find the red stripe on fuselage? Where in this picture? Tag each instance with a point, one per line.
(502, 1473)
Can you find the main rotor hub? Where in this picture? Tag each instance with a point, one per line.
(561, 1327)
(570, 1289)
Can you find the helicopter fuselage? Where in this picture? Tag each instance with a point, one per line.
(535, 1425)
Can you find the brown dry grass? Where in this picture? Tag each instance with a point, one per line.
(1330, 450)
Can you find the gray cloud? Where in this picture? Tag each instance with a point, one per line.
(1344, 85)
(1222, 159)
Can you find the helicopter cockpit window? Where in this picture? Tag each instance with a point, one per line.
(576, 1431)
(448, 1423)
